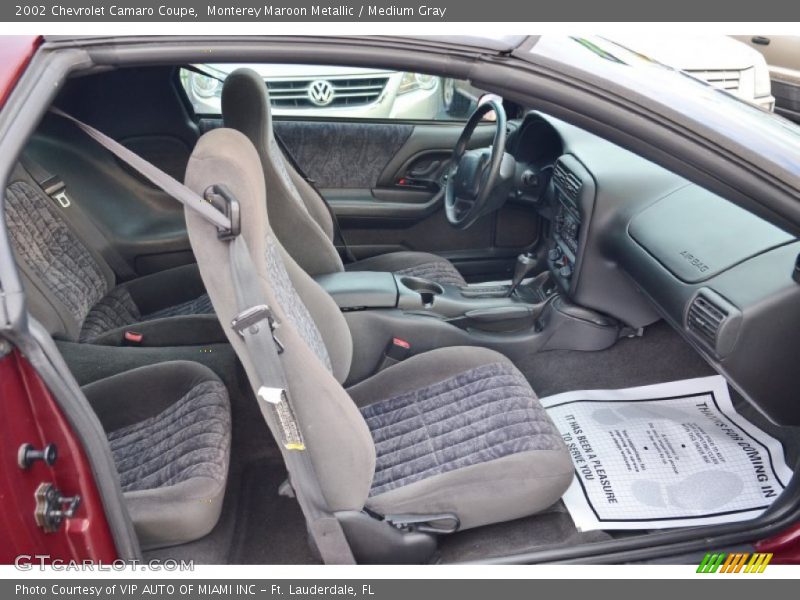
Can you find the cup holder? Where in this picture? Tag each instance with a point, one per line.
(427, 290)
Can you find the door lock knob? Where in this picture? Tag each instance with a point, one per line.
(27, 455)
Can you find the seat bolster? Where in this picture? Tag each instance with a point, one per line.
(177, 514)
(510, 487)
(138, 394)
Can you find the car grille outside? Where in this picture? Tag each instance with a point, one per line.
(347, 92)
(730, 80)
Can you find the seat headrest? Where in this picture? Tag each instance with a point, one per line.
(246, 106)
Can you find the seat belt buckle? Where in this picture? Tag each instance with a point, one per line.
(248, 320)
(396, 351)
(56, 188)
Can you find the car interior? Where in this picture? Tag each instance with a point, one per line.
(431, 278)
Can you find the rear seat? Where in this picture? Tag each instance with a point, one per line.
(72, 290)
(169, 424)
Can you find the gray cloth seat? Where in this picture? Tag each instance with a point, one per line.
(298, 214)
(70, 287)
(455, 430)
(169, 428)
(462, 442)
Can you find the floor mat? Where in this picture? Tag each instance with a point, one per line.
(667, 455)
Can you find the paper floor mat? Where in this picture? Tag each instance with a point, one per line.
(668, 455)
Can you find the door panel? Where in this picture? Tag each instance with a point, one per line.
(343, 154)
(393, 202)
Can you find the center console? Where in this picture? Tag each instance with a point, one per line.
(380, 307)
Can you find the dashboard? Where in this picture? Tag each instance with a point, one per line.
(636, 242)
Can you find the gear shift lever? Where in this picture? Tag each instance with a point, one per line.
(525, 264)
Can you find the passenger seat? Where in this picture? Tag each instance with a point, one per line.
(169, 428)
(72, 290)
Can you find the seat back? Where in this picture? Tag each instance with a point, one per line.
(63, 277)
(298, 215)
(316, 339)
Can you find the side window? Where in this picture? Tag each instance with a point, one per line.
(343, 92)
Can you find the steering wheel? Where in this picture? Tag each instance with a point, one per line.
(475, 183)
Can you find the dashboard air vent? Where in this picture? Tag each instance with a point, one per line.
(565, 179)
(714, 321)
(705, 319)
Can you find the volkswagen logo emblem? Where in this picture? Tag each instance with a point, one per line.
(321, 92)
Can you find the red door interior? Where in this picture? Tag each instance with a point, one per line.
(31, 416)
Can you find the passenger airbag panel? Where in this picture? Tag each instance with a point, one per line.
(697, 235)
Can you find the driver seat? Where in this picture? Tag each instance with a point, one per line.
(299, 216)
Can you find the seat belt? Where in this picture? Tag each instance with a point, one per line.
(54, 186)
(337, 230)
(257, 326)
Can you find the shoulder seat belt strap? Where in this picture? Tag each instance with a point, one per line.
(256, 325)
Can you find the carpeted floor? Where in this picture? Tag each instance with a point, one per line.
(657, 356)
(270, 528)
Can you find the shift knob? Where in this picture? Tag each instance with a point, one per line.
(525, 264)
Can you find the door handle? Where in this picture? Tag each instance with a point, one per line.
(425, 170)
(760, 40)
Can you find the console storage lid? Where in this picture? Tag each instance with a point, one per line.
(354, 290)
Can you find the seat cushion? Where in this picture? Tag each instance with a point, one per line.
(473, 440)
(118, 309)
(416, 264)
(169, 429)
(196, 306)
